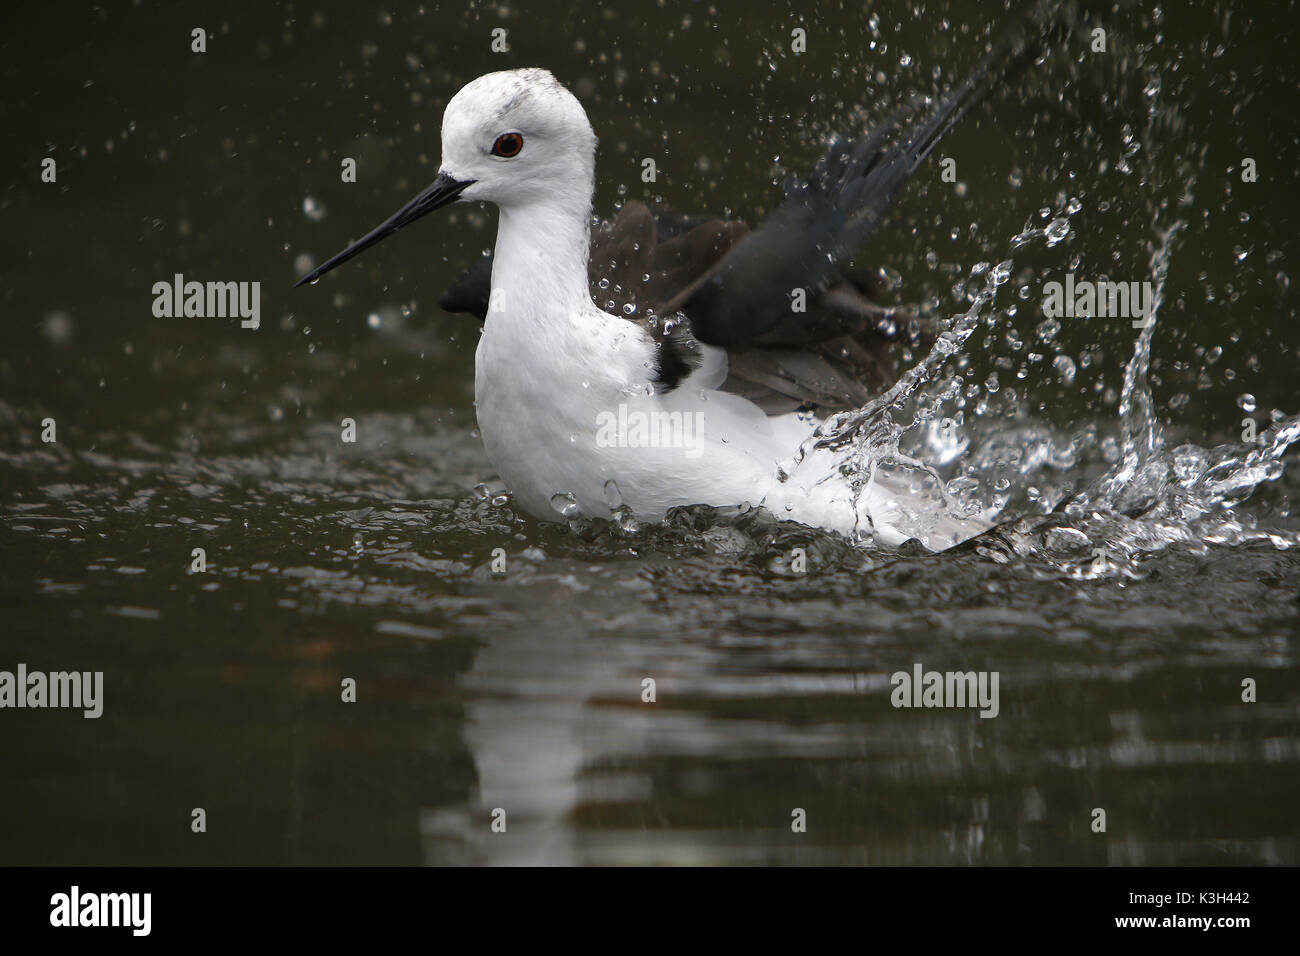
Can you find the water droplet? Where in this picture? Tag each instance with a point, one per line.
(1056, 231)
(613, 497)
(56, 327)
(1246, 401)
(566, 505)
(312, 209)
(891, 277)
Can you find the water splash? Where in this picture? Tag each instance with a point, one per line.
(1151, 497)
(1140, 427)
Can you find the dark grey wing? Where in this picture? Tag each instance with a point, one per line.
(645, 256)
(746, 300)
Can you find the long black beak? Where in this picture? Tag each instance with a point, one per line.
(441, 192)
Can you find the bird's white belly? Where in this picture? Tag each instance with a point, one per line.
(553, 426)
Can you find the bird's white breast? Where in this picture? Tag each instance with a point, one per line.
(565, 406)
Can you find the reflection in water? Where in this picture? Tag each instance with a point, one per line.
(530, 728)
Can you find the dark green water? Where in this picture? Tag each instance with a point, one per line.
(1120, 682)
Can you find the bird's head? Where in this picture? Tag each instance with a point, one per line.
(513, 138)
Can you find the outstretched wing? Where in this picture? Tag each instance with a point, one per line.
(827, 216)
(840, 359)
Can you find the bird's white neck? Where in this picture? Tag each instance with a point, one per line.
(540, 266)
(544, 339)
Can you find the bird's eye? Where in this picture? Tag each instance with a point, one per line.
(508, 145)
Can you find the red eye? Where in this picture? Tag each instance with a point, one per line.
(508, 145)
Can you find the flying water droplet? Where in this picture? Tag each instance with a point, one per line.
(1056, 231)
(312, 209)
(890, 277)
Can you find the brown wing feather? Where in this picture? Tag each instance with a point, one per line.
(836, 354)
(628, 269)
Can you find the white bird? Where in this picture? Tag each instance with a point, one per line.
(698, 378)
